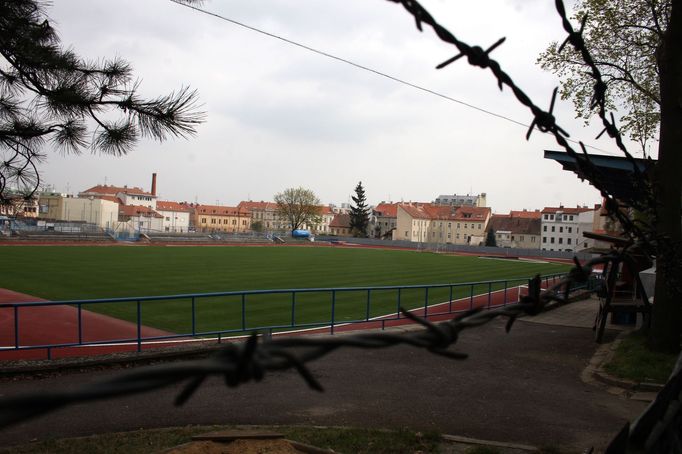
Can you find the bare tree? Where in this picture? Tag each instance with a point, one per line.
(298, 206)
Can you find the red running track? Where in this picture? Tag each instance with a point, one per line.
(42, 325)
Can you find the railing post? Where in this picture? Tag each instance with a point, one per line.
(80, 324)
(16, 327)
(333, 309)
(368, 303)
(243, 312)
(293, 309)
(139, 326)
(194, 317)
(426, 302)
(450, 302)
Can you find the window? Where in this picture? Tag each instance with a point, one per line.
(457, 236)
(570, 229)
(512, 237)
(449, 235)
(551, 217)
(546, 216)
(561, 241)
(568, 241)
(458, 225)
(167, 218)
(234, 222)
(479, 226)
(561, 230)
(571, 218)
(544, 228)
(212, 221)
(203, 220)
(465, 226)
(406, 233)
(544, 239)
(449, 224)
(551, 240)
(552, 228)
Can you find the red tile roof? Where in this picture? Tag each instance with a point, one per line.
(113, 190)
(341, 221)
(387, 209)
(526, 214)
(446, 212)
(244, 205)
(517, 225)
(136, 210)
(416, 212)
(165, 205)
(219, 210)
(467, 213)
(325, 210)
(564, 210)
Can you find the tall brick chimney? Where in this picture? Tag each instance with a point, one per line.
(153, 183)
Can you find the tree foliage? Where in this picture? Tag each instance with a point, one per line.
(490, 240)
(359, 213)
(624, 38)
(298, 206)
(636, 47)
(52, 98)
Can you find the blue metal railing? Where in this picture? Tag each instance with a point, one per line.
(452, 298)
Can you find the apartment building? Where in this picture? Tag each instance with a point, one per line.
(562, 229)
(340, 225)
(176, 216)
(102, 212)
(264, 213)
(216, 218)
(478, 200)
(518, 229)
(431, 223)
(383, 220)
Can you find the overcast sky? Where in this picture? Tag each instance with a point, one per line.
(280, 116)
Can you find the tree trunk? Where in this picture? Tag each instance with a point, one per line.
(667, 309)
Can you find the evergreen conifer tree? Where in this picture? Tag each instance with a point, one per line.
(359, 213)
(490, 240)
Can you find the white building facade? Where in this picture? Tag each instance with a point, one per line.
(562, 228)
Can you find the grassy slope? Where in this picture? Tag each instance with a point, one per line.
(59, 273)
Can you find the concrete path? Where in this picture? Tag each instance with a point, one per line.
(521, 387)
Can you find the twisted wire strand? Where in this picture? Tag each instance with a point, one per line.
(545, 120)
(253, 359)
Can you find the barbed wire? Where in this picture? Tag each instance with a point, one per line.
(544, 120)
(251, 360)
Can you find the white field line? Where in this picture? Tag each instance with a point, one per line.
(280, 333)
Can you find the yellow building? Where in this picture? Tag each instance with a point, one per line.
(216, 218)
(429, 223)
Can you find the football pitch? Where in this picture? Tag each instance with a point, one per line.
(90, 272)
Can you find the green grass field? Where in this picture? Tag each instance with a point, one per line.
(74, 272)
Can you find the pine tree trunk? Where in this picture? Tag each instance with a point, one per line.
(667, 309)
